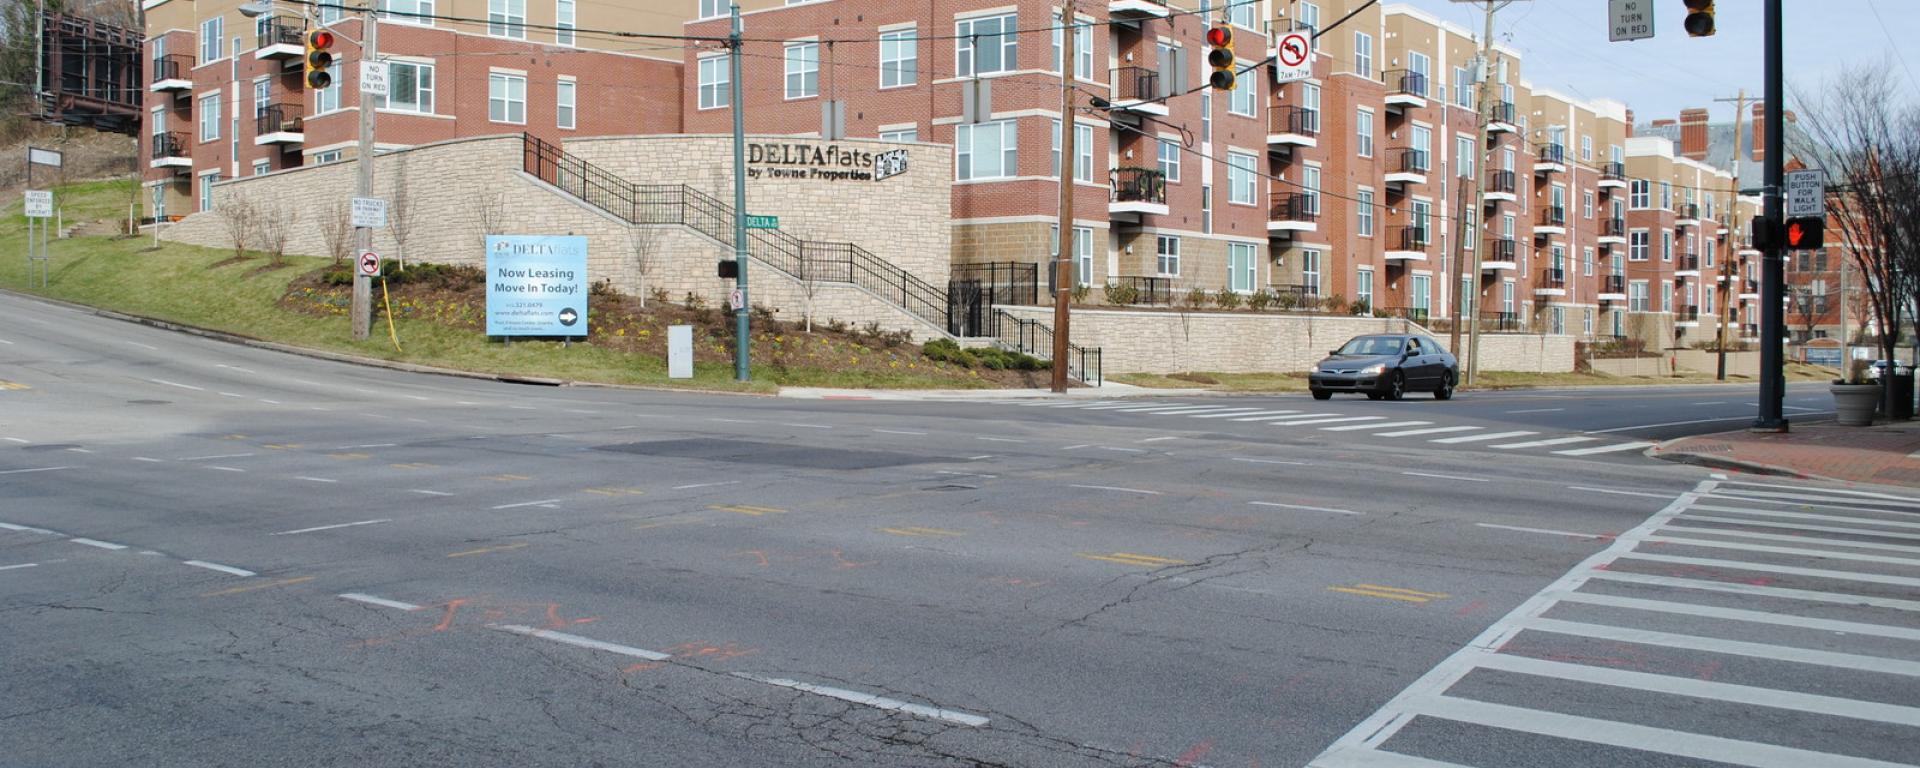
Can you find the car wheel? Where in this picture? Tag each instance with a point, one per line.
(1445, 392)
(1397, 386)
(1321, 394)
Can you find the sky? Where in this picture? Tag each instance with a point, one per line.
(1565, 48)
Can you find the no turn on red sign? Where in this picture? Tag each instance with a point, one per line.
(369, 264)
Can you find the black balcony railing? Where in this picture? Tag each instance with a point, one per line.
(1553, 277)
(1749, 330)
(1407, 81)
(1553, 216)
(1501, 249)
(1689, 263)
(1139, 185)
(1294, 206)
(1613, 172)
(1553, 153)
(1135, 84)
(178, 66)
(1613, 228)
(1297, 120)
(1500, 181)
(280, 32)
(279, 118)
(1501, 322)
(1503, 112)
(1148, 290)
(170, 145)
(1413, 238)
(1689, 313)
(1688, 212)
(1412, 160)
(1613, 284)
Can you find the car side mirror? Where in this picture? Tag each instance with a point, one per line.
(1333, 353)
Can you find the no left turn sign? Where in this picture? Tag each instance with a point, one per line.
(1293, 57)
(370, 264)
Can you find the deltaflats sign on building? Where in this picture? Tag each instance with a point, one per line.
(832, 162)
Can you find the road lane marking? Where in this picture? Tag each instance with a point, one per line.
(806, 426)
(219, 468)
(1330, 420)
(1303, 506)
(14, 440)
(380, 601)
(1788, 570)
(1755, 589)
(527, 504)
(330, 527)
(616, 491)
(35, 469)
(1271, 461)
(1548, 531)
(216, 456)
(1539, 410)
(1122, 450)
(1543, 443)
(1730, 647)
(877, 702)
(581, 642)
(746, 509)
(1270, 416)
(987, 456)
(1598, 449)
(898, 431)
(1620, 492)
(98, 543)
(1770, 549)
(1117, 489)
(316, 479)
(265, 585)
(1129, 558)
(1478, 438)
(1739, 614)
(1401, 594)
(731, 421)
(485, 550)
(1158, 439)
(1789, 498)
(1667, 424)
(1797, 538)
(1001, 439)
(963, 474)
(21, 565)
(177, 384)
(425, 492)
(507, 478)
(1798, 526)
(349, 456)
(412, 465)
(704, 485)
(920, 531)
(1432, 431)
(1229, 413)
(227, 569)
(1388, 425)
(27, 529)
(1448, 477)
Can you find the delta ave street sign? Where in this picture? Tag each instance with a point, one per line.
(1629, 20)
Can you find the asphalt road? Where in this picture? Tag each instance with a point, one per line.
(215, 555)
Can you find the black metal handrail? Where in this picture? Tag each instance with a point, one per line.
(1148, 290)
(1553, 216)
(176, 66)
(1613, 284)
(1139, 185)
(1032, 337)
(1135, 84)
(1417, 314)
(1501, 322)
(279, 32)
(1613, 228)
(1002, 282)
(1501, 249)
(171, 145)
(1688, 211)
(1689, 263)
(279, 118)
(1412, 160)
(1503, 112)
(1500, 181)
(1553, 153)
(1689, 313)
(1297, 120)
(1613, 172)
(1553, 277)
(1406, 81)
(1412, 238)
(1294, 206)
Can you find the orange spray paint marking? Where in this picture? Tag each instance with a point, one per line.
(446, 622)
(642, 667)
(842, 562)
(1476, 605)
(756, 553)
(587, 620)
(1193, 755)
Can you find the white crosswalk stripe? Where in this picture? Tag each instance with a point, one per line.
(1266, 415)
(1225, 414)
(1433, 431)
(1821, 632)
(1478, 438)
(1328, 420)
(1388, 425)
(1598, 449)
(1545, 443)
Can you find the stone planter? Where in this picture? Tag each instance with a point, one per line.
(1854, 404)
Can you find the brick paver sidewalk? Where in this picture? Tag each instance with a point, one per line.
(1877, 454)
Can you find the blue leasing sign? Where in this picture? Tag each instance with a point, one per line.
(536, 285)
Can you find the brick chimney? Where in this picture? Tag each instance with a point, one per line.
(1693, 134)
(1759, 132)
(1629, 123)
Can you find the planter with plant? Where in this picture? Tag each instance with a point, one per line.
(1854, 397)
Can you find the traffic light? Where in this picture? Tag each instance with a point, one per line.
(1805, 233)
(1699, 21)
(1220, 57)
(319, 59)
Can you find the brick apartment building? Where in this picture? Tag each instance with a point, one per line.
(226, 97)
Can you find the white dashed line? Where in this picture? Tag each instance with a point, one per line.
(316, 479)
(1123, 450)
(98, 543)
(35, 469)
(225, 469)
(1330, 420)
(425, 492)
(1449, 477)
(1543, 443)
(228, 569)
(1272, 461)
(177, 384)
(22, 565)
(140, 345)
(220, 456)
(962, 474)
(931, 713)
(1117, 489)
(703, 485)
(1668, 496)
(1158, 439)
(1388, 425)
(1539, 410)
(380, 601)
(983, 456)
(1549, 531)
(1270, 416)
(1001, 439)
(540, 503)
(14, 440)
(897, 431)
(581, 642)
(330, 527)
(806, 426)
(27, 529)
(147, 459)
(1303, 506)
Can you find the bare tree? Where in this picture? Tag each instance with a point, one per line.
(239, 217)
(492, 211)
(275, 227)
(809, 286)
(336, 230)
(400, 211)
(1803, 307)
(644, 243)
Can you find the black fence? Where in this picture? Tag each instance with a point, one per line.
(1035, 338)
(170, 145)
(1500, 181)
(279, 118)
(1297, 120)
(1135, 84)
(1406, 81)
(1157, 291)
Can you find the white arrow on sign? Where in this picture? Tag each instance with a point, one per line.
(1293, 57)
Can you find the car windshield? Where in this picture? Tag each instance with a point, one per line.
(1373, 345)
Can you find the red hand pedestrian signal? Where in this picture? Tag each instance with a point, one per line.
(1805, 233)
(1794, 233)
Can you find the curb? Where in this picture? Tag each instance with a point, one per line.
(1737, 465)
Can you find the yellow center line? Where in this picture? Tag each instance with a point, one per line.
(919, 531)
(746, 509)
(616, 491)
(265, 585)
(1401, 590)
(281, 446)
(350, 455)
(508, 478)
(1128, 558)
(13, 385)
(485, 550)
(1390, 593)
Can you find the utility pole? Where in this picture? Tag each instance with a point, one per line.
(741, 329)
(1773, 389)
(1063, 266)
(363, 236)
(1726, 296)
(1484, 106)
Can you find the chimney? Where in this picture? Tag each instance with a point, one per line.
(1693, 134)
(1759, 132)
(1629, 123)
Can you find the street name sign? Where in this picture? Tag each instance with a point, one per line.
(1293, 57)
(762, 222)
(39, 203)
(369, 212)
(1806, 193)
(1629, 20)
(47, 157)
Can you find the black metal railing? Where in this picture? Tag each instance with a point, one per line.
(279, 118)
(1294, 206)
(1688, 212)
(1412, 238)
(1135, 84)
(1412, 160)
(1406, 81)
(1553, 216)
(1297, 120)
(1613, 284)
(1553, 153)
(1417, 314)
(1501, 322)
(1501, 249)
(177, 66)
(1553, 277)
(1035, 338)
(1689, 263)
(1139, 185)
(279, 32)
(171, 145)
(1749, 330)
(1003, 282)
(1503, 112)
(1500, 181)
(1613, 172)
(1157, 291)
(1613, 228)
(1689, 313)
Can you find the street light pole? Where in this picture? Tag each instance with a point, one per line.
(1468, 301)
(741, 324)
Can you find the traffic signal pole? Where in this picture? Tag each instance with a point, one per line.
(1773, 386)
(363, 236)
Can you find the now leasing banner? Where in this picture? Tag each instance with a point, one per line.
(536, 285)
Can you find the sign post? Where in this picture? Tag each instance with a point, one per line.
(1629, 20)
(762, 222)
(39, 208)
(1293, 57)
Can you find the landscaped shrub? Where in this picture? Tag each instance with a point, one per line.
(1122, 294)
(1227, 299)
(1260, 300)
(1361, 308)
(992, 358)
(1335, 304)
(1198, 297)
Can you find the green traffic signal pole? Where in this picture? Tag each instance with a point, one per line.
(740, 320)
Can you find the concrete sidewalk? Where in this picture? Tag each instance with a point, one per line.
(1881, 454)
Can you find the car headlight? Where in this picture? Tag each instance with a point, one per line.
(1374, 370)
(1314, 369)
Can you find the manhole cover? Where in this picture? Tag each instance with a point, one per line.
(772, 454)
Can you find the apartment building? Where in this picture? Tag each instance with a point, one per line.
(226, 95)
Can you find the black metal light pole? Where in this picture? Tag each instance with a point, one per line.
(1773, 387)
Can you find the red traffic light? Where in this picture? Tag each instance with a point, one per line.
(1220, 36)
(320, 38)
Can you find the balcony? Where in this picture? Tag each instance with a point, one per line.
(1133, 11)
(1137, 191)
(1501, 253)
(1406, 89)
(1500, 187)
(1293, 212)
(1613, 288)
(279, 39)
(1135, 89)
(1553, 221)
(172, 150)
(1687, 317)
(1613, 176)
(1688, 266)
(1553, 159)
(1408, 244)
(279, 124)
(1687, 215)
(1503, 119)
(172, 73)
(1409, 166)
(1551, 282)
(1613, 232)
(1294, 127)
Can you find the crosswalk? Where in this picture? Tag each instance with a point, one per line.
(1371, 426)
(1745, 624)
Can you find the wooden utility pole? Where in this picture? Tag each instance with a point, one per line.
(1063, 265)
(1484, 105)
(1726, 295)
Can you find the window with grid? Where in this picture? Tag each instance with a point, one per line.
(715, 82)
(507, 18)
(1167, 255)
(899, 58)
(803, 70)
(985, 150)
(1082, 151)
(507, 98)
(1240, 184)
(985, 46)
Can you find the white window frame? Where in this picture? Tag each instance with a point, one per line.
(423, 88)
(209, 109)
(1639, 245)
(327, 99)
(1243, 101)
(1166, 250)
(418, 13)
(1640, 194)
(1082, 47)
(1363, 55)
(965, 37)
(500, 90)
(566, 103)
(899, 58)
(1637, 300)
(713, 9)
(1363, 286)
(902, 135)
(262, 167)
(213, 40)
(715, 78)
(1169, 157)
(1243, 267)
(1310, 271)
(507, 19)
(207, 180)
(1082, 152)
(565, 17)
(802, 69)
(1006, 163)
(1363, 131)
(1363, 211)
(1240, 179)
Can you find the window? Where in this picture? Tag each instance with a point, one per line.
(1637, 243)
(985, 46)
(1240, 266)
(1616, 154)
(985, 150)
(1309, 101)
(1637, 190)
(1506, 298)
(1559, 316)
(1241, 15)
(1422, 295)
(158, 200)
(1082, 151)
(1364, 212)
(1363, 55)
(1619, 211)
(1637, 296)
(1170, 160)
(262, 92)
(1082, 47)
(899, 58)
(1666, 245)
(262, 167)
(1462, 94)
(1363, 286)
(157, 125)
(803, 70)
(905, 134)
(1619, 324)
(1363, 132)
(409, 88)
(1167, 250)
(1310, 186)
(1241, 101)
(563, 18)
(715, 82)
(1706, 302)
(1206, 208)
(1422, 146)
(507, 18)
(1666, 195)
(330, 11)
(1586, 156)
(213, 40)
(1559, 259)
(1310, 271)
(1206, 117)
(713, 8)
(1586, 203)
(1240, 188)
(1709, 252)
(327, 99)
(563, 104)
(1666, 296)
(1464, 155)
(1423, 219)
(1082, 253)
(417, 12)
(206, 190)
(1422, 68)
(330, 156)
(1586, 321)
(507, 98)
(210, 117)
(1308, 16)
(1586, 261)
